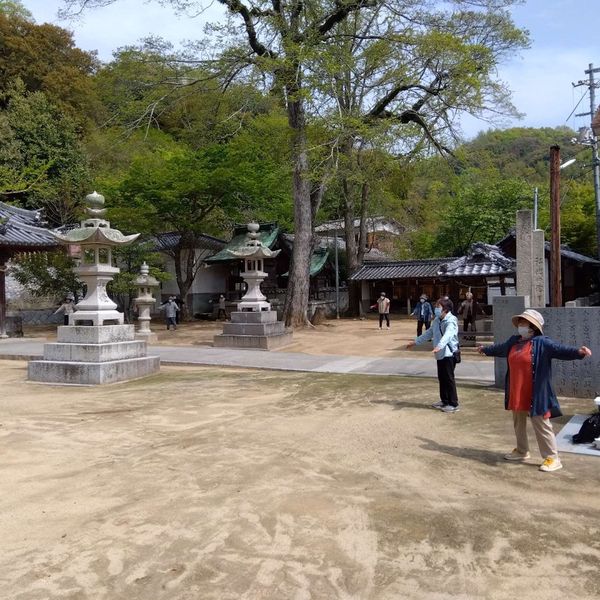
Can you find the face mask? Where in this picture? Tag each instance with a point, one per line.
(437, 311)
(525, 331)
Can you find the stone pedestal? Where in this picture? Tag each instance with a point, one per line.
(253, 329)
(92, 355)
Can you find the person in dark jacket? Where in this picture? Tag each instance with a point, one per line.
(424, 313)
(528, 389)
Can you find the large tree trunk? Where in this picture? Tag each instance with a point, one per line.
(296, 300)
(184, 283)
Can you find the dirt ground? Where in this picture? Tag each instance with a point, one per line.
(347, 337)
(226, 484)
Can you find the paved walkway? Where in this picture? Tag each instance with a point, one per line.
(475, 371)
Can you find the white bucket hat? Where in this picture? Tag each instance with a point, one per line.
(533, 317)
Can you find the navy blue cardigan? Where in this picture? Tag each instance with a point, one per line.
(544, 350)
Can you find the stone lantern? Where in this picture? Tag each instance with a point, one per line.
(95, 347)
(254, 325)
(144, 303)
(254, 254)
(96, 239)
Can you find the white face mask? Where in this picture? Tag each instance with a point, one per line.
(525, 331)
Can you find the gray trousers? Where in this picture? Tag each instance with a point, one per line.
(542, 428)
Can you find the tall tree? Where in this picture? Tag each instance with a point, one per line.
(286, 40)
(42, 162)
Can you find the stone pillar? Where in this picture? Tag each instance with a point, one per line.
(538, 274)
(3, 333)
(524, 252)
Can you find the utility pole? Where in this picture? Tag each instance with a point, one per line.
(591, 85)
(555, 271)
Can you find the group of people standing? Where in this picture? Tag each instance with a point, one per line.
(468, 310)
(528, 386)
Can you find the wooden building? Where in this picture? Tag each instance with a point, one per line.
(21, 231)
(484, 270)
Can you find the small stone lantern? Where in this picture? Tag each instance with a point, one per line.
(144, 303)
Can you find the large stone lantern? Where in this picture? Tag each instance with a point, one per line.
(96, 239)
(254, 325)
(95, 347)
(144, 303)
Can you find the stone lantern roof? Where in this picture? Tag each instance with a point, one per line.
(253, 248)
(95, 230)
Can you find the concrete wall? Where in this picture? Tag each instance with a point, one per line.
(577, 326)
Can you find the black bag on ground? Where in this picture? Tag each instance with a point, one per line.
(590, 430)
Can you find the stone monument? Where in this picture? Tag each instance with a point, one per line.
(531, 278)
(254, 324)
(96, 347)
(144, 303)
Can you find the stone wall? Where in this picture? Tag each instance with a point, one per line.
(577, 326)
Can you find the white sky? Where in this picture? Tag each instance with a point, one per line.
(565, 39)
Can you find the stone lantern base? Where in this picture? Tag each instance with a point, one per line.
(254, 329)
(90, 355)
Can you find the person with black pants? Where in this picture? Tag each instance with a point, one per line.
(444, 332)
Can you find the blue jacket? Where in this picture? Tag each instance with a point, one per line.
(543, 350)
(427, 311)
(445, 336)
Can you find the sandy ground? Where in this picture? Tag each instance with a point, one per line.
(348, 337)
(219, 484)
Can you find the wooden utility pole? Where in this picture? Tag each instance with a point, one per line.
(555, 270)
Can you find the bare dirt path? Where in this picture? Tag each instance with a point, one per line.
(234, 484)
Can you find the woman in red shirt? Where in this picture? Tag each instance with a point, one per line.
(528, 390)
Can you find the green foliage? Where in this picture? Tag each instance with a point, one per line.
(480, 213)
(47, 274)
(42, 164)
(45, 58)
(122, 288)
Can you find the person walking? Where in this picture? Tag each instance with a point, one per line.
(468, 311)
(222, 308)
(383, 306)
(171, 309)
(444, 332)
(528, 389)
(424, 313)
(68, 307)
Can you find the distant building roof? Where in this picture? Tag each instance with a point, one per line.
(267, 234)
(168, 241)
(371, 254)
(22, 230)
(481, 260)
(509, 240)
(374, 224)
(400, 269)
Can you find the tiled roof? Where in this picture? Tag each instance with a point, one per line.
(20, 229)
(166, 241)
(481, 260)
(400, 269)
(318, 260)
